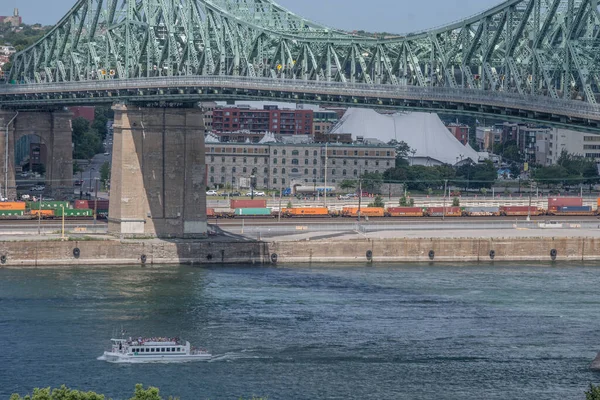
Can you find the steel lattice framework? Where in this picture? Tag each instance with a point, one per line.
(536, 47)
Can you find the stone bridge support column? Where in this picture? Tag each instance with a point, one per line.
(55, 133)
(158, 178)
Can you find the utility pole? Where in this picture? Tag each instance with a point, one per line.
(96, 201)
(529, 208)
(444, 210)
(359, 190)
(40, 216)
(325, 189)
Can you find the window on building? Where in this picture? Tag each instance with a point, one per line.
(222, 159)
(355, 162)
(275, 152)
(314, 171)
(283, 160)
(355, 173)
(212, 158)
(212, 179)
(244, 170)
(295, 162)
(344, 172)
(306, 153)
(355, 152)
(274, 170)
(233, 170)
(275, 181)
(212, 169)
(284, 152)
(282, 171)
(255, 160)
(266, 170)
(333, 172)
(366, 162)
(283, 181)
(305, 171)
(295, 152)
(223, 169)
(315, 161)
(265, 181)
(245, 160)
(306, 161)
(332, 162)
(377, 163)
(233, 160)
(315, 153)
(222, 179)
(274, 161)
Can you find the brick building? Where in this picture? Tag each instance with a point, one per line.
(270, 118)
(460, 132)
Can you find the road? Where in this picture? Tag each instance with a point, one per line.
(92, 172)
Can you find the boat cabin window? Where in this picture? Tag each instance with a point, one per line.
(172, 348)
(162, 350)
(179, 349)
(168, 349)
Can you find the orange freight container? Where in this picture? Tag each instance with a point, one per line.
(308, 211)
(44, 213)
(444, 211)
(364, 212)
(210, 212)
(519, 211)
(13, 205)
(405, 212)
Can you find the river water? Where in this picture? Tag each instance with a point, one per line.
(319, 332)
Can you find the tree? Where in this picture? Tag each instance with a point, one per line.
(404, 202)
(456, 202)
(593, 393)
(371, 181)
(105, 173)
(402, 152)
(347, 184)
(64, 393)
(515, 170)
(378, 202)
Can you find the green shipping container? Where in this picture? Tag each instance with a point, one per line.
(253, 212)
(74, 213)
(48, 205)
(10, 213)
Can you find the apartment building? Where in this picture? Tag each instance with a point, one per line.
(270, 118)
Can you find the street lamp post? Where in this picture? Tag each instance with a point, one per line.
(90, 180)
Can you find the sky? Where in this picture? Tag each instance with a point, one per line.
(397, 16)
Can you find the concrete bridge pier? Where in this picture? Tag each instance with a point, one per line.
(55, 133)
(158, 180)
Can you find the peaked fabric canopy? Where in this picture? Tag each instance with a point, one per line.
(423, 132)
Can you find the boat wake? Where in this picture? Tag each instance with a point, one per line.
(233, 356)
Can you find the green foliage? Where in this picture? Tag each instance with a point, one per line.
(593, 393)
(420, 177)
(378, 202)
(477, 175)
(76, 168)
(515, 170)
(404, 202)
(403, 150)
(347, 184)
(21, 38)
(105, 173)
(289, 205)
(371, 181)
(569, 170)
(64, 393)
(509, 151)
(87, 142)
(456, 202)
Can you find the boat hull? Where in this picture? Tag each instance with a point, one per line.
(119, 358)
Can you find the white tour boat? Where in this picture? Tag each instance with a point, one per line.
(145, 350)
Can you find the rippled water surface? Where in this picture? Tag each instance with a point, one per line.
(356, 332)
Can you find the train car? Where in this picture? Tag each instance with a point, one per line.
(305, 212)
(48, 205)
(73, 213)
(12, 213)
(13, 205)
(256, 203)
(520, 211)
(42, 213)
(443, 211)
(253, 212)
(210, 213)
(404, 212)
(481, 211)
(581, 211)
(364, 212)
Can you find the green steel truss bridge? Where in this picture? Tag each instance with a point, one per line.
(536, 60)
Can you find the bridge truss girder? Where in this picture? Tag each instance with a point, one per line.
(540, 47)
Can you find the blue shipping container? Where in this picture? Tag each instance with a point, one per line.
(575, 209)
(253, 212)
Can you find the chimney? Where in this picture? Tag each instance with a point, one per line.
(16, 12)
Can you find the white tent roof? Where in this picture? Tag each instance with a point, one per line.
(423, 132)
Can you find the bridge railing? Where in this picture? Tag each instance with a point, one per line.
(444, 94)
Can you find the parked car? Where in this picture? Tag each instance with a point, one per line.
(256, 193)
(234, 194)
(348, 196)
(78, 183)
(212, 193)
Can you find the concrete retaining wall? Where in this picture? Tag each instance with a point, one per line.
(114, 252)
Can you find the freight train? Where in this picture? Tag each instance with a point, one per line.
(79, 209)
(258, 209)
